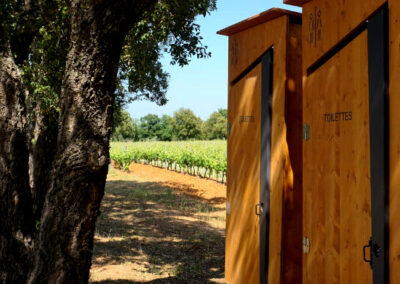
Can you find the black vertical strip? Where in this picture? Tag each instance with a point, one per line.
(266, 119)
(379, 143)
(315, 27)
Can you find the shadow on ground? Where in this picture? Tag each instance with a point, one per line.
(176, 236)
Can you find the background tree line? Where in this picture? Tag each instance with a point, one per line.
(183, 125)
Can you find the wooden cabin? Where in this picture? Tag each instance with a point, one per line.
(351, 148)
(264, 195)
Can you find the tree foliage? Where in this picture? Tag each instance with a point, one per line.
(150, 127)
(169, 27)
(215, 126)
(223, 112)
(183, 125)
(167, 128)
(126, 129)
(187, 125)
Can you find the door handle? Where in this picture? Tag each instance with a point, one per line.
(259, 208)
(370, 246)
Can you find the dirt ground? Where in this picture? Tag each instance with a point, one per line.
(159, 226)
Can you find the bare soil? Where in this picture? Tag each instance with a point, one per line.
(159, 226)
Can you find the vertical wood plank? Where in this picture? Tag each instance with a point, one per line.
(394, 138)
(292, 197)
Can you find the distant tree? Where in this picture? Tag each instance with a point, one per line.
(167, 128)
(126, 128)
(150, 127)
(215, 126)
(223, 112)
(187, 125)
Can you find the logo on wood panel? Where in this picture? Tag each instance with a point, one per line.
(246, 119)
(315, 26)
(234, 51)
(338, 116)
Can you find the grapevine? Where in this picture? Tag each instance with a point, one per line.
(202, 158)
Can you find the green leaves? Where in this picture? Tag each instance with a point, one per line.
(215, 126)
(40, 39)
(186, 125)
(44, 69)
(169, 28)
(126, 127)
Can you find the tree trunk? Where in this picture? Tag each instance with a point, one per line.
(77, 180)
(15, 197)
(42, 153)
(66, 191)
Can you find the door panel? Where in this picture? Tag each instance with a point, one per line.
(337, 190)
(242, 231)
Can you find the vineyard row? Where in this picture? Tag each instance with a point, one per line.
(201, 158)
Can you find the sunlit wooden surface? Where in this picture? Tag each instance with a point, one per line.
(337, 205)
(326, 22)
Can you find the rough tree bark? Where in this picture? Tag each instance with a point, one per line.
(42, 153)
(77, 180)
(69, 198)
(15, 196)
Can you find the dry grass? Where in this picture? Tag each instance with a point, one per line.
(158, 228)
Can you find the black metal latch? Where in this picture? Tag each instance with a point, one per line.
(369, 245)
(374, 251)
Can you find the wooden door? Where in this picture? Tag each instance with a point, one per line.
(345, 163)
(249, 155)
(337, 197)
(242, 224)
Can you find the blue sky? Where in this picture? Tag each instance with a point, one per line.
(202, 85)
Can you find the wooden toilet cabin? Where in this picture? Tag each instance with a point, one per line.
(351, 151)
(264, 179)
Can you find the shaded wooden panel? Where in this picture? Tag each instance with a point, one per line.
(242, 231)
(281, 173)
(292, 202)
(246, 46)
(394, 136)
(326, 22)
(336, 174)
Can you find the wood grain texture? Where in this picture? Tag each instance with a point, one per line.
(246, 46)
(325, 22)
(394, 144)
(336, 169)
(242, 232)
